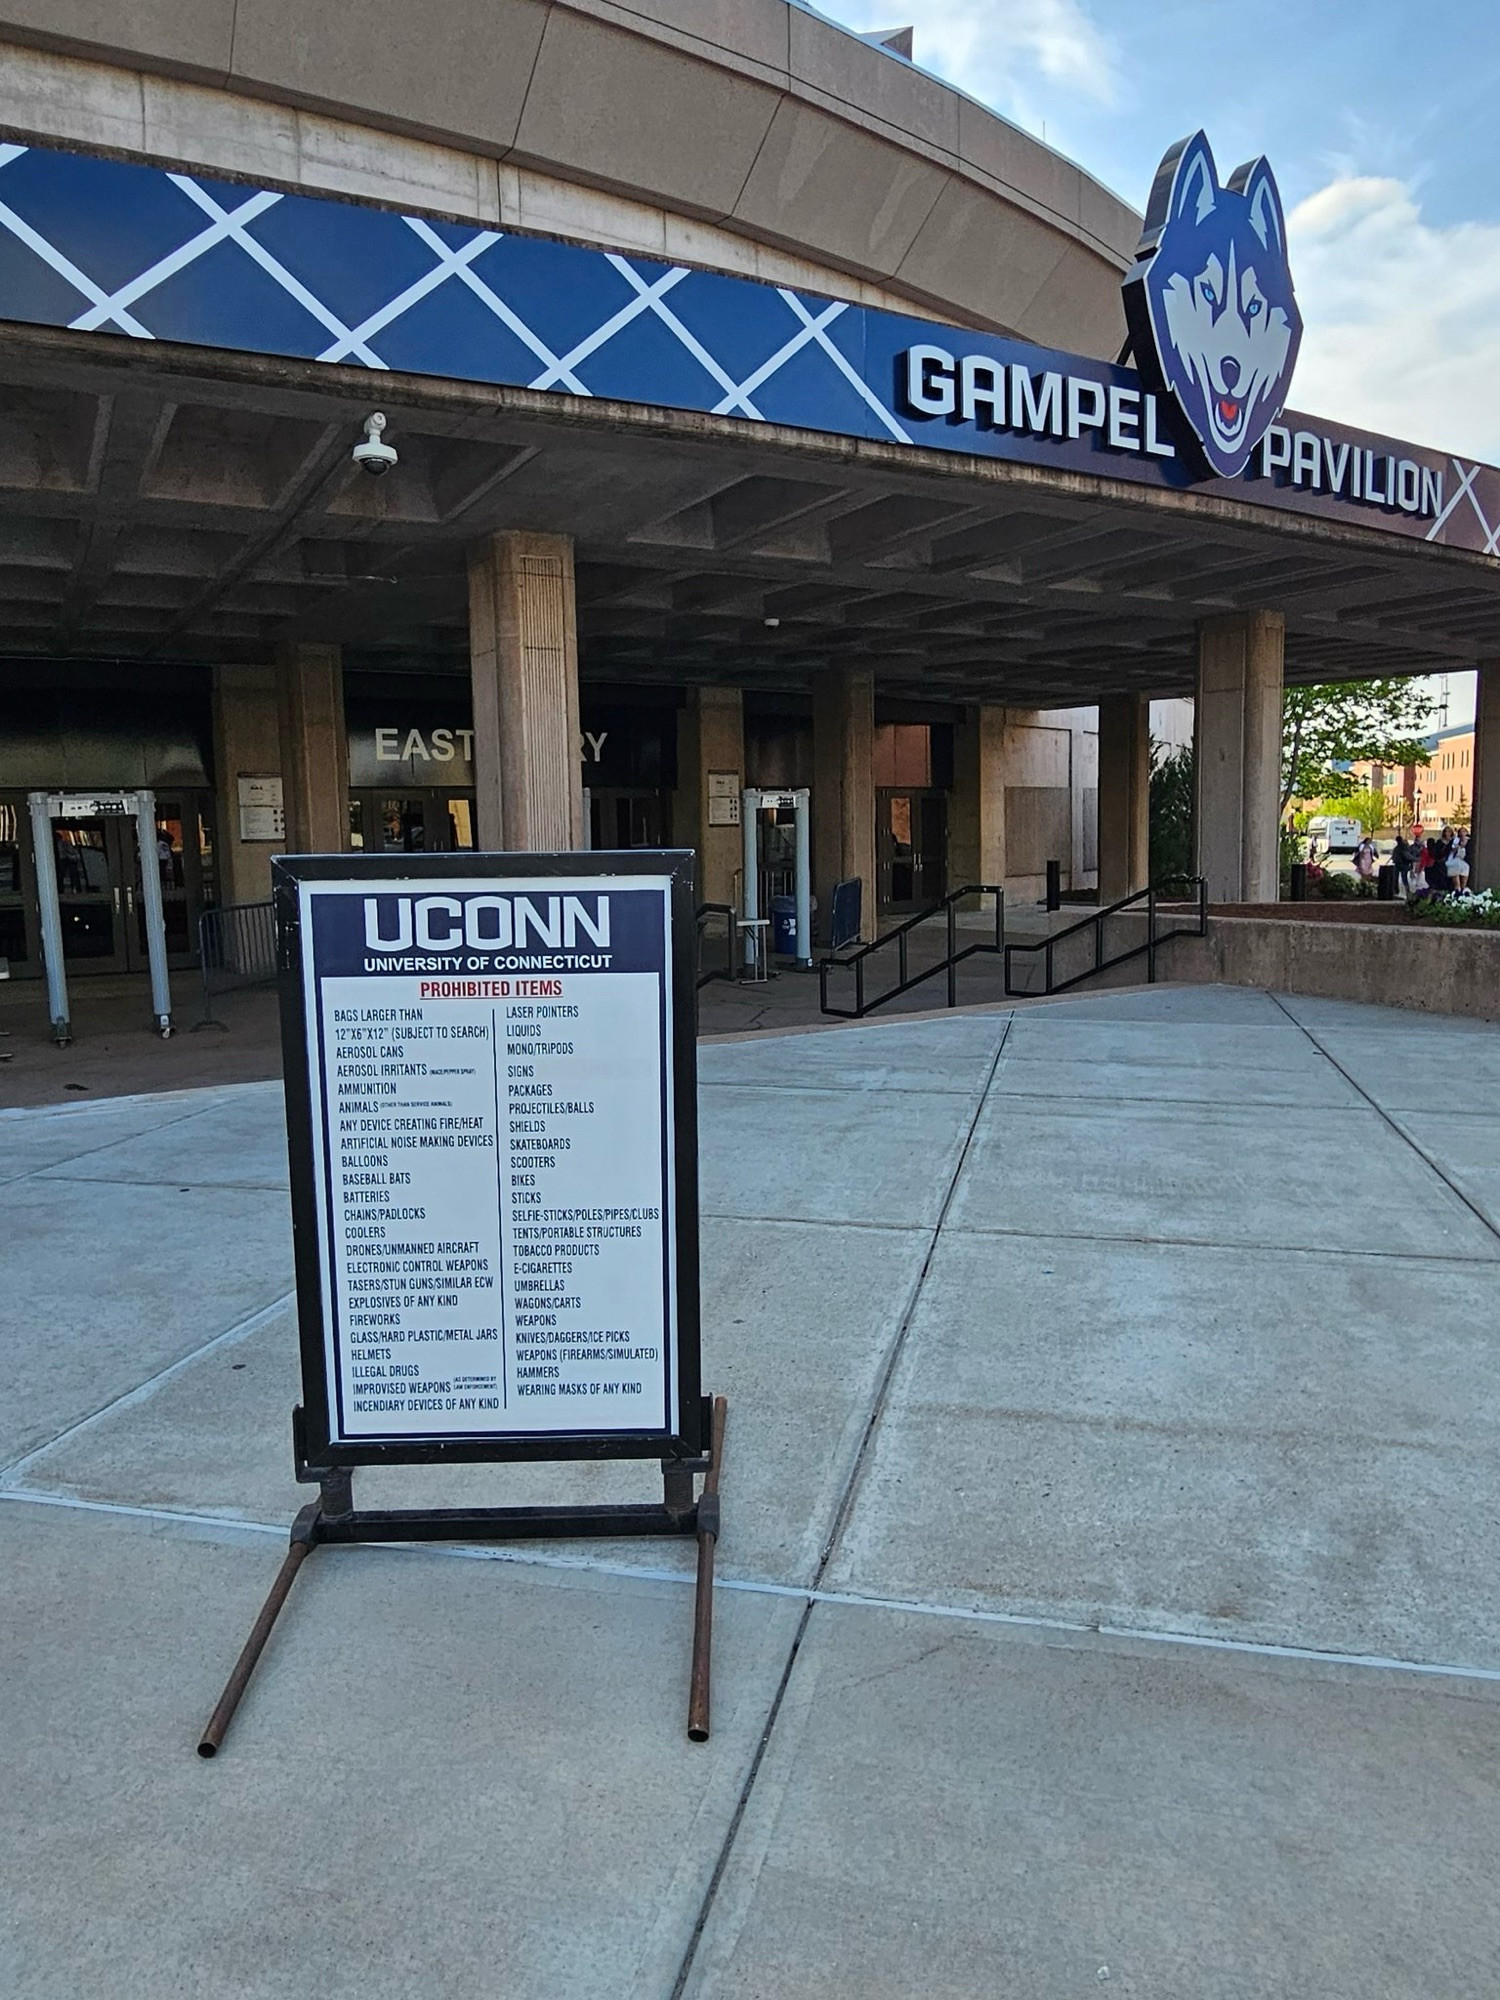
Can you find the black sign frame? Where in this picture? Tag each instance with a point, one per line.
(317, 1451)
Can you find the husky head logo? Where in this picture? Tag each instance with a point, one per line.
(1210, 304)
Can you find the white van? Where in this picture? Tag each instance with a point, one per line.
(1335, 836)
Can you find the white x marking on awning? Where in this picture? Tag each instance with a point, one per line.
(49, 254)
(112, 308)
(448, 265)
(455, 263)
(861, 387)
(739, 398)
(645, 295)
(234, 230)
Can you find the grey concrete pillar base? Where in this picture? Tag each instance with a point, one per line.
(710, 743)
(523, 652)
(247, 744)
(1484, 829)
(976, 834)
(1124, 795)
(314, 748)
(843, 789)
(1237, 755)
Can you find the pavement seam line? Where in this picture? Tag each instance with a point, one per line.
(813, 1594)
(54, 1173)
(1421, 1151)
(819, 1222)
(839, 1600)
(1475, 1263)
(1049, 1097)
(143, 1391)
(80, 1107)
(898, 1342)
(87, 1152)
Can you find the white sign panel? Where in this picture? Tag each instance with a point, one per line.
(261, 813)
(723, 798)
(491, 1084)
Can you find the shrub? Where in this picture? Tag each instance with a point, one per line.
(1171, 809)
(1477, 911)
(1340, 888)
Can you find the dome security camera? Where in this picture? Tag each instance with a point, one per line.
(372, 454)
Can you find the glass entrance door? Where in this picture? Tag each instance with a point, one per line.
(99, 894)
(411, 822)
(911, 849)
(91, 882)
(619, 818)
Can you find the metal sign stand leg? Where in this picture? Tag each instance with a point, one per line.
(703, 1605)
(333, 1518)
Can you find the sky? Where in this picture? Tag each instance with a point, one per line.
(1378, 118)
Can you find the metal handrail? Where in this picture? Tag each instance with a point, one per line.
(727, 969)
(1096, 920)
(856, 961)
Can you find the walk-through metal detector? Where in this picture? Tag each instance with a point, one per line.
(752, 803)
(141, 806)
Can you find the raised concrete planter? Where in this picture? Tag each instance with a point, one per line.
(1385, 964)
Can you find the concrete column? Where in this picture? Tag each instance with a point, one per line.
(1237, 757)
(710, 740)
(1124, 795)
(523, 663)
(314, 748)
(843, 787)
(1484, 792)
(247, 743)
(976, 834)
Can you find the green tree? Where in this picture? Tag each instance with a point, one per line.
(1327, 727)
(1370, 808)
(1171, 811)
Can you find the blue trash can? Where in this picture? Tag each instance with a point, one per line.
(784, 926)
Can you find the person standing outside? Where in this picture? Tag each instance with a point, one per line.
(1364, 859)
(1458, 862)
(1401, 860)
(1437, 864)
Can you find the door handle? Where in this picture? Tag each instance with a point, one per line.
(129, 901)
(116, 893)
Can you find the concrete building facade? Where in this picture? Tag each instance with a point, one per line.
(693, 331)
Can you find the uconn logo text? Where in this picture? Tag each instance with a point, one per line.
(484, 923)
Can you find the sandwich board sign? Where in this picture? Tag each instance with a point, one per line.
(490, 1073)
(496, 1243)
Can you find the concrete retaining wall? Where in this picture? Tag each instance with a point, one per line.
(1435, 970)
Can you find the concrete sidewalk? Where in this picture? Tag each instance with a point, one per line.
(1109, 1569)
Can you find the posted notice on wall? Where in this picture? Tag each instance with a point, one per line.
(491, 1084)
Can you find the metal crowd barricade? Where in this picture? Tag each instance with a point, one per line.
(723, 915)
(237, 950)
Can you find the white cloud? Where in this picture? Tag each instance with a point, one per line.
(1402, 317)
(998, 49)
